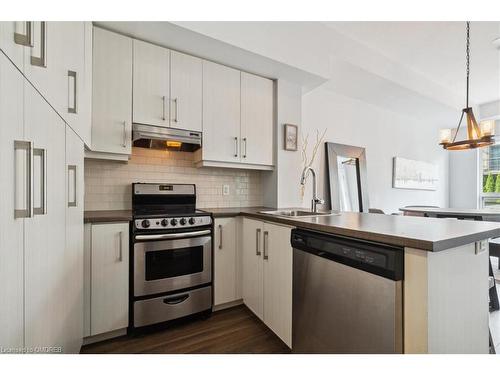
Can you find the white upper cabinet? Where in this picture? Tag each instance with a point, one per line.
(151, 84)
(221, 113)
(237, 119)
(15, 36)
(256, 120)
(111, 93)
(185, 91)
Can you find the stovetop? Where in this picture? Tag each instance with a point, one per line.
(167, 207)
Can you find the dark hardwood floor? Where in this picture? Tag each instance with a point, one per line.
(231, 331)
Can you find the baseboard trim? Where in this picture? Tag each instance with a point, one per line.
(104, 336)
(228, 305)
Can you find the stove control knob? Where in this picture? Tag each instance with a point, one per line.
(173, 222)
(192, 221)
(164, 222)
(183, 221)
(145, 224)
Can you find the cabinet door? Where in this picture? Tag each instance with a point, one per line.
(225, 261)
(185, 91)
(221, 113)
(45, 269)
(256, 119)
(44, 62)
(252, 266)
(151, 84)
(109, 280)
(74, 242)
(85, 89)
(12, 185)
(277, 254)
(111, 93)
(72, 109)
(14, 37)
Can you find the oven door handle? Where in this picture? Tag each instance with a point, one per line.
(170, 236)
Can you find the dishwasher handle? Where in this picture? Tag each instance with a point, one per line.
(376, 258)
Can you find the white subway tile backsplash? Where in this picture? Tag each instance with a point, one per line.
(108, 183)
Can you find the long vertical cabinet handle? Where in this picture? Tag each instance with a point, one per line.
(72, 93)
(220, 236)
(27, 182)
(244, 142)
(25, 39)
(120, 253)
(163, 99)
(257, 242)
(124, 144)
(176, 118)
(41, 60)
(41, 154)
(266, 244)
(72, 181)
(235, 147)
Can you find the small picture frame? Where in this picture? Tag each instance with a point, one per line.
(291, 136)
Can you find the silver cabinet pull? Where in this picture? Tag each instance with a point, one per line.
(235, 147)
(42, 155)
(266, 240)
(124, 144)
(257, 242)
(163, 99)
(41, 60)
(72, 180)
(25, 39)
(120, 253)
(266, 244)
(220, 236)
(176, 118)
(27, 210)
(72, 77)
(244, 142)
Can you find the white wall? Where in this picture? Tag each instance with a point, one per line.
(384, 134)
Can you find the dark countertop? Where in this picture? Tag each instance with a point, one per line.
(107, 216)
(484, 213)
(424, 233)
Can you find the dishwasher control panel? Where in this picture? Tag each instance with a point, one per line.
(381, 259)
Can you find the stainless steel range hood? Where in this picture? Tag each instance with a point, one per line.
(157, 137)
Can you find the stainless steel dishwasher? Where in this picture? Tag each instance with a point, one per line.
(347, 295)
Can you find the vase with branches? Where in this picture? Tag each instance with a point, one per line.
(307, 162)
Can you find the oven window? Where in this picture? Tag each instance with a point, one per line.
(162, 264)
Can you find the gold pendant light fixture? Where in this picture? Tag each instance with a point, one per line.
(477, 135)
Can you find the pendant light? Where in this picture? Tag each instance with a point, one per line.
(477, 135)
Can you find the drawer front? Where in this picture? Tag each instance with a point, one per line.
(162, 309)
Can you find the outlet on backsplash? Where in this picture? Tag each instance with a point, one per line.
(225, 189)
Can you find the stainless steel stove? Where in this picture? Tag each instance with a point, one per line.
(171, 249)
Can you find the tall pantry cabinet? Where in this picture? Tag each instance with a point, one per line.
(41, 220)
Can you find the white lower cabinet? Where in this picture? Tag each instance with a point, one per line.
(267, 275)
(109, 278)
(225, 261)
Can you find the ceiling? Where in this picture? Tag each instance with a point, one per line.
(436, 50)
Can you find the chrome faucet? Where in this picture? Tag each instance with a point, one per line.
(315, 200)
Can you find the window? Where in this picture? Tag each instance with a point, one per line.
(490, 167)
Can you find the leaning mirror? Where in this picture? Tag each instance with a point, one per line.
(346, 172)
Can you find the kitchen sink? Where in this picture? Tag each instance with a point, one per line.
(298, 213)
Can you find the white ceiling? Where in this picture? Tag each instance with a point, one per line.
(436, 50)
